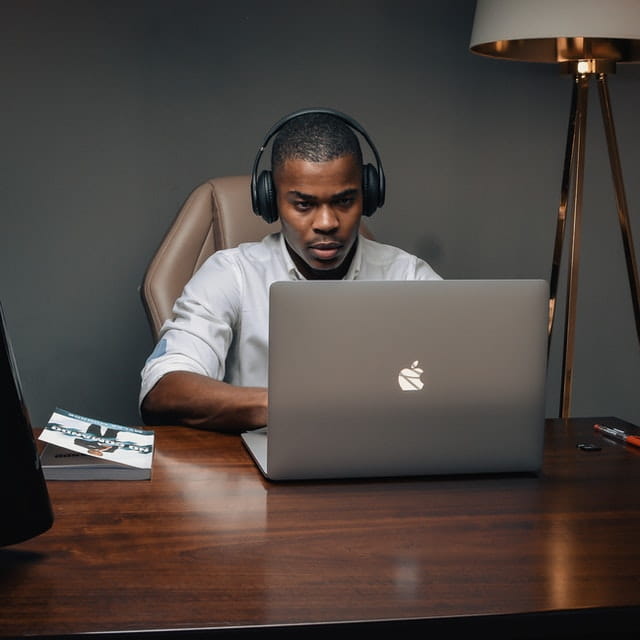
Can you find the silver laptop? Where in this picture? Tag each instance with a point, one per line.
(375, 379)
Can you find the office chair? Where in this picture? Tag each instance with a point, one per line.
(216, 215)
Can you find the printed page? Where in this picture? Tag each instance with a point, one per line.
(116, 443)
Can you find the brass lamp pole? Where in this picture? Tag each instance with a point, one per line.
(588, 38)
(572, 179)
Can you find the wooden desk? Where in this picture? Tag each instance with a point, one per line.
(207, 548)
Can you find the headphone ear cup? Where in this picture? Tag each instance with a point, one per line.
(370, 189)
(266, 197)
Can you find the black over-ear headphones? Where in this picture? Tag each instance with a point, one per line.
(263, 193)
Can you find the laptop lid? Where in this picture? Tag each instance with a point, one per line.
(370, 379)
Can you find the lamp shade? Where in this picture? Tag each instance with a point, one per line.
(557, 30)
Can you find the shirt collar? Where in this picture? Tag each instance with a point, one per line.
(289, 264)
(356, 263)
(294, 274)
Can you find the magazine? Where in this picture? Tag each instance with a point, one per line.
(80, 448)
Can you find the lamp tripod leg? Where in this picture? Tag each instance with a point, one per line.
(621, 200)
(572, 179)
(574, 255)
(567, 177)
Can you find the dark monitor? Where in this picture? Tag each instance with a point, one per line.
(25, 508)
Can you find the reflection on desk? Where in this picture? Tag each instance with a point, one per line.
(209, 546)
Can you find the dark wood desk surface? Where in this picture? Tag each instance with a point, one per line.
(209, 546)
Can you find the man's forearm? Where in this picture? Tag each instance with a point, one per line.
(190, 399)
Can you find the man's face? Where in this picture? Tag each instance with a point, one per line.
(320, 206)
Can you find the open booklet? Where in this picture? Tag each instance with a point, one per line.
(80, 448)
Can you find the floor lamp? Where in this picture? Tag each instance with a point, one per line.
(587, 38)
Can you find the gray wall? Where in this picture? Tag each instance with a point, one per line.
(113, 111)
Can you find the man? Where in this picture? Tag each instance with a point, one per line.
(209, 368)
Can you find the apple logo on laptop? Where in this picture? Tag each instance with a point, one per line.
(410, 379)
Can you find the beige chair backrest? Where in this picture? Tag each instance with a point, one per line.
(216, 215)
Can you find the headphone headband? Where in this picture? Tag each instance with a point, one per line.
(255, 196)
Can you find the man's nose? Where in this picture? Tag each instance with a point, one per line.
(326, 219)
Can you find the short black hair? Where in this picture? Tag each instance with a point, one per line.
(315, 137)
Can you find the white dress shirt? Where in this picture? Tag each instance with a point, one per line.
(220, 324)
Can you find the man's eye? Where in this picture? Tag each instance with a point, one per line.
(302, 205)
(344, 202)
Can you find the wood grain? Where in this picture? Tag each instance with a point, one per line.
(209, 544)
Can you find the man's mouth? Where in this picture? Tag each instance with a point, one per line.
(325, 251)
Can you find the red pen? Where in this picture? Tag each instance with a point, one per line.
(618, 434)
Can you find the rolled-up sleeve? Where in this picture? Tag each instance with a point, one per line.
(198, 337)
